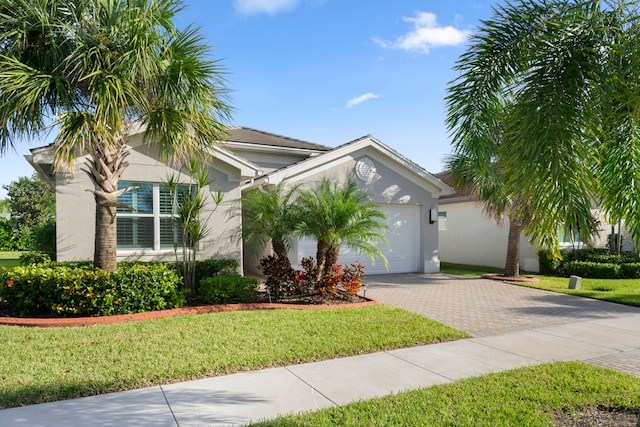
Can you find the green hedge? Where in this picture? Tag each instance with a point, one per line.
(228, 288)
(593, 263)
(594, 270)
(79, 290)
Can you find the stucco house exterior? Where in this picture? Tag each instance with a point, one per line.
(469, 236)
(247, 159)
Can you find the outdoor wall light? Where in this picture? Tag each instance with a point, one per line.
(433, 215)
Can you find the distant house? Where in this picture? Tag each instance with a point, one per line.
(469, 236)
(249, 158)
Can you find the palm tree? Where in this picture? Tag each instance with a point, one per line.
(497, 203)
(268, 215)
(560, 80)
(340, 215)
(100, 70)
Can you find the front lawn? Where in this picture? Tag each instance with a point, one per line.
(544, 395)
(623, 291)
(41, 365)
(9, 259)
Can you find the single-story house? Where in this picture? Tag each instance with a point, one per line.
(247, 159)
(469, 236)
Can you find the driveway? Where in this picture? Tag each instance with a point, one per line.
(486, 308)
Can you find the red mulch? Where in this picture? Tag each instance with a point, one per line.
(504, 278)
(89, 321)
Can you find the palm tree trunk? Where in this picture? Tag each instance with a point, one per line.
(321, 257)
(104, 255)
(332, 258)
(512, 265)
(280, 250)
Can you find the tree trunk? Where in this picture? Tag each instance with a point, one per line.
(331, 259)
(280, 250)
(105, 167)
(512, 265)
(104, 255)
(321, 257)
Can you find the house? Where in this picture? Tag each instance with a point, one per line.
(247, 159)
(469, 236)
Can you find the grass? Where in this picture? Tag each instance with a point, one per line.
(9, 259)
(524, 397)
(41, 365)
(622, 291)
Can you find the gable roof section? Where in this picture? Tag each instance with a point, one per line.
(304, 167)
(244, 135)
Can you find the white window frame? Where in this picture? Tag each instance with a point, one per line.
(156, 215)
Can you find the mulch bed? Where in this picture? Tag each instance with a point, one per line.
(597, 416)
(504, 278)
(314, 302)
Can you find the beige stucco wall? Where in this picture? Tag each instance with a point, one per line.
(473, 238)
(75, 210)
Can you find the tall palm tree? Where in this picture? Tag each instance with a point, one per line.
(268, 215)
(340, 215)
(100, 70)
(561, 80)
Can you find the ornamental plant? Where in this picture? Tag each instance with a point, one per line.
(283, 281)
(80, 290)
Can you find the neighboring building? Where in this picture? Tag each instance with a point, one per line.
(249, 158)
(469, 236)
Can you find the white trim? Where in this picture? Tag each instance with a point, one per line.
(344, 153)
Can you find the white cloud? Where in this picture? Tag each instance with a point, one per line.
(360, 99)
(426, 34)
(270, 7)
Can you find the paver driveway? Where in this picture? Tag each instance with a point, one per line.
(485, 307)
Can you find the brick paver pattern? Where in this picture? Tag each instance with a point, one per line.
(486, 307)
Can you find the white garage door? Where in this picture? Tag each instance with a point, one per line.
(402, 249)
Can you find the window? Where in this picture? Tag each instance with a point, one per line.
(566, 237)
(151, 224)
(442, 220)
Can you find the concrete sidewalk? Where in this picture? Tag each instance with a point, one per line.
(541, 327)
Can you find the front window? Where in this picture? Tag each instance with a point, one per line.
(151, 221)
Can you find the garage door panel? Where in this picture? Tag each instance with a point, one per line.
(402, 249)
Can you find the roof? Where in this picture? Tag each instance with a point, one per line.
(253, 136)
(310, 164)
(460, 194)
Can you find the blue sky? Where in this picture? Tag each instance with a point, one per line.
(330, 71)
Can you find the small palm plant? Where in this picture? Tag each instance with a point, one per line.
(269, 214)
(338, 215)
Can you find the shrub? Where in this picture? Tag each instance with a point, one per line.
(549, 263)
(71, 290)
(228, 288)
(34, 257)
(213, 267)
(284, 281)
(593, 270)
(630, 270)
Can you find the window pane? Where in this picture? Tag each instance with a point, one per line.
(166, 198)
(170, 232)
(135, 233)
(140, 198)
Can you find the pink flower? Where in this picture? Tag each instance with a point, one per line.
(9, 283)
(116, 302)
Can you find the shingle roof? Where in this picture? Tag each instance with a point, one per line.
(258, 137)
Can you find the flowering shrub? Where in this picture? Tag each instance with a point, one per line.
(61, 290)
(284, 281)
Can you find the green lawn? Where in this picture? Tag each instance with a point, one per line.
(9, 259)
(529, 396)
(623, 291)
(40, 365)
